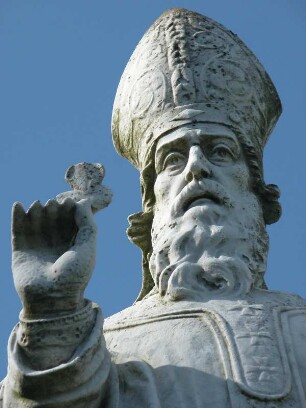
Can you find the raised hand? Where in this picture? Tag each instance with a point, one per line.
(54, 249)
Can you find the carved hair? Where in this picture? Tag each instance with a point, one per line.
(139, 231)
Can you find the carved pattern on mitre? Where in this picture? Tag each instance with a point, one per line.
(207, 39)
(183, 87)
(186, 59)
(220, 75)
(149, 89)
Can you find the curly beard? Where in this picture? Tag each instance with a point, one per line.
(209, 252)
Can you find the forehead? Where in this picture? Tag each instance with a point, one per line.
(193, 133)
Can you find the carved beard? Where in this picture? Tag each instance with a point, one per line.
(211, 251)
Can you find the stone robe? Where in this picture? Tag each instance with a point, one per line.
(248, 352)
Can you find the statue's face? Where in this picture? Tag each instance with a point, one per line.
(208, 233)
(208, 160)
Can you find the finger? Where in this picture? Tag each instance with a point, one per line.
(51, 215)
(66, 222)
(68, 204)
(66, 212)
(51, 210)
(59, 225)
(19, 226)
(35, 214)
(82, 255)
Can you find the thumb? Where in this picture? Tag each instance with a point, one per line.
(87, 230)
(83, 214)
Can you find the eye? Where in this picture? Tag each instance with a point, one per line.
(222, 154)
(173, 161)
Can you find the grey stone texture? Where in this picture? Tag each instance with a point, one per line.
(193, 112)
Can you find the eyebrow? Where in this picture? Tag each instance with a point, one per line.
(231, 138)
(183, 140)
(166, 146)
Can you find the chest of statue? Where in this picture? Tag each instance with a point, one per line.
(242, 355)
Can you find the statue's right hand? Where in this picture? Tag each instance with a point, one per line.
(53, 256)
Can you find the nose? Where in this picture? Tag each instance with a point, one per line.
(197, 166)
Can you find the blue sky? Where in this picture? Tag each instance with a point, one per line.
(61, 61)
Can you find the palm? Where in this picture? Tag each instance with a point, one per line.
(53, 255)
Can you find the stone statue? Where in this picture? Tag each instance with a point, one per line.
(193, 112)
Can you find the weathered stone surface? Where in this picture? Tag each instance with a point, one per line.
(193, 112)
(85, 180)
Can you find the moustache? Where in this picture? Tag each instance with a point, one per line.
(200, 190)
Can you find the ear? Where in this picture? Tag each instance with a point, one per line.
(139, 232)
(272, 209)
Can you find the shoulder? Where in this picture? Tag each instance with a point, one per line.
(278, 299)
(137, 311)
